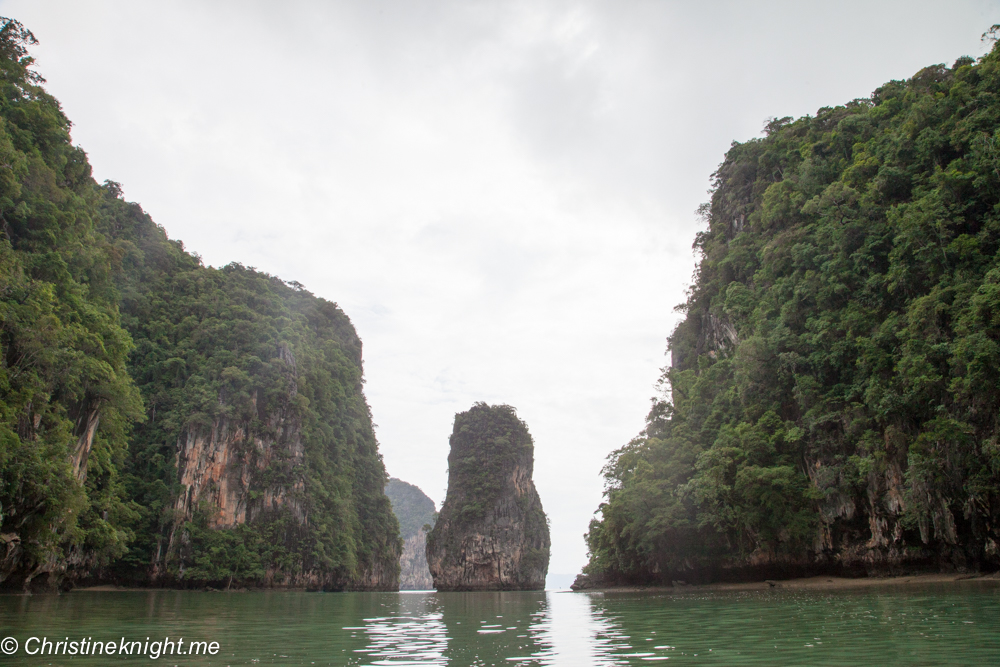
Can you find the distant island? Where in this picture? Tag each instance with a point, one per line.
(492, 533)
(832, 399)
(416, 516)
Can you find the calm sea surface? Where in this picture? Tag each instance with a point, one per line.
(947, 624)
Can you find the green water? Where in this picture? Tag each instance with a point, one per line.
(948, 624)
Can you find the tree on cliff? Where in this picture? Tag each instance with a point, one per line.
(492, 533)
(833, 389)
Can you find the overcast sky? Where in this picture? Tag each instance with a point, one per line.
(501, 195)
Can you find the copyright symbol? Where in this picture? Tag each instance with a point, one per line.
(8, 645)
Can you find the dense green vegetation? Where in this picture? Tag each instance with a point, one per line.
(486, 443)
(63, 348)
(281, 370)
(834, 388)
(129, 369)
(413, 509)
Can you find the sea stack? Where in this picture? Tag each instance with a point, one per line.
(492, 534)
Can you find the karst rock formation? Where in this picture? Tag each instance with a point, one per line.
(491, 533)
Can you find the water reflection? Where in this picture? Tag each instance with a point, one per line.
(513, 628)
(494, 628)
(948, 624)
(413, 633)
(578, 635)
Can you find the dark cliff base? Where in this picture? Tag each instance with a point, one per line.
(528, 586)
(210, 589)
(820, 582)
(46, 586)
(948, 564)
(138, 580)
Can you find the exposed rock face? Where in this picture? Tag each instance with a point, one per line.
(86, 427)
(492, 533)
(414, 511)
(227, 474)
(221, 468)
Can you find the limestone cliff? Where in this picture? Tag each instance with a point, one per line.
(257, 464)
(250, 475)
(415, 513)
(831, 406)
(492, 533)
(163, 422)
